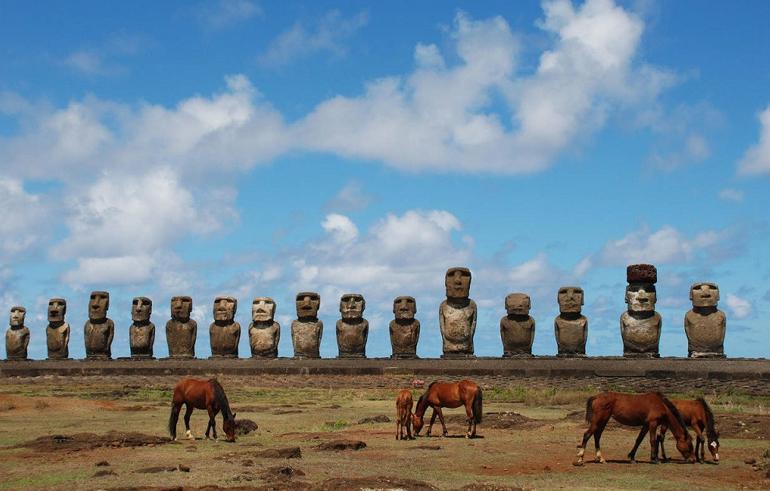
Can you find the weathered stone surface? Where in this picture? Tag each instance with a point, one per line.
(224, 332)
(17, 335)
(705, 325)
(517, 328)
(141, 334)
(457, 315)
(98, 329)
(264, 332)
(570, 326)
(57, 333)
(181, 330)
(307, 329)
(640, 325)
(352, 329)
(404, 329)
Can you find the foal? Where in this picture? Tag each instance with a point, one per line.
(404, 415)
(698, 416)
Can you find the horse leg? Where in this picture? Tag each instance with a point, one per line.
(212, 421)
(432, 420)
(597, 445)
(174, 419)
(632, 453)
(471, 419)
(443, 426)
(409, 425)
(661, 440)
(699, 440)
(653, 442)
(592, 426)
(187, 414)
(398, 424)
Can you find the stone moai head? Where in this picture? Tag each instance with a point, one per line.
(517, 304)
(98, 305)
(141, 309)
(352, 306)
(704, 294)
(405, 308)
(224, 309)
(308, 304)
(181, 307)
(570, 299)
(640, 292)
(458, 282)
(57, 309)
(263, 309)
(18, 314)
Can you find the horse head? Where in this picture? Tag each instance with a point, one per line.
(714, 447)
(229, 427)
(684, 445)
(417, 424)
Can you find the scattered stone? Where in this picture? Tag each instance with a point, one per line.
(282, 472)
(248, 463)
(340, 445)
(380, 418)
(288, 411)
(102, 463)
(183, 468)
(427, 447)
(418, 384)
(89, 441)
(155, 470)
(104, 472)
(245, 426)
(375, 482)
(750, 461)
(280, 453)
(482, 486)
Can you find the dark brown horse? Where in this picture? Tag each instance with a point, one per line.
(404, 415)
(201, 394)
(649, 411)
(698, 416)
(442, 394)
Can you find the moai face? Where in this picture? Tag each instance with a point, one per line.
(404, 308)
(352, 306)
(570, 299)
(224, 309)
(517, 304)
(641, 298)
(141, 309)
(57, 308)
(98, 305)
(704, 295)
(17, 316)
(458, 282)
(181, 307)
(263, 309)
(308, 304)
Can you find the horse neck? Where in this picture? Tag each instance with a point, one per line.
(676, 427)
(221, 398)
(422, 406)
(711, 432)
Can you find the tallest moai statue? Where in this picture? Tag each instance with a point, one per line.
(640, 325)
(457, 315)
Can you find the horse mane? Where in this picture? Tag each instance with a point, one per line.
(711, 431)
(675, 412)
(221, 398)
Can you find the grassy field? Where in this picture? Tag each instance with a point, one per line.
(528, 440)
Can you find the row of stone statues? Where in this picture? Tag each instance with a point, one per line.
(640, 325)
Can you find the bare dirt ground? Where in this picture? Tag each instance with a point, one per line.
(331, 433)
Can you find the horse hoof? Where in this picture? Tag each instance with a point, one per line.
(601, 461)
(579, 463)
(632, 461)
(654, 461)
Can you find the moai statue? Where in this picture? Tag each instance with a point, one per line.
(181, 330)
(224, 332)
(705, 325)
(57, 333)
(98, 329)
(570, 326)
(307, 329)
(17, 335)
(142, 332)
(264, 332)
(517, 329)
(352, 329)
(404, 329)
(457, 315)
(640, 325)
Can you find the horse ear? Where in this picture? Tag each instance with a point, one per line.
(234, 415)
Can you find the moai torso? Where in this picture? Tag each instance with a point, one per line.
(705, 325)
(404, 329)
(457, 315)
(352, 329)
(307, 329)
(98, 329)
(264, 332)
(57, 333)
(640, 325)
(142, 332)
(224, 332)
(17, 335)
(517, 328)
(181, 330)
(570, 326)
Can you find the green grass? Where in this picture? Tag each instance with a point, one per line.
(44, 480)
(334, 425)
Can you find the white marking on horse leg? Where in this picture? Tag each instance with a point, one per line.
(189, 435)
(599, 457)
(581, 452)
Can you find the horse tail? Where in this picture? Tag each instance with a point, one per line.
(221, 398)
(590, 409)
(711, 431)
(172, 419)
(477, 406)
(671, 407)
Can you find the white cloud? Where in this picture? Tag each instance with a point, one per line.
(731, 194)
(740, 307)
(226, 13)
(351, 197)
(105, 59)
(328, 35)
(25, 217)
(756, 160)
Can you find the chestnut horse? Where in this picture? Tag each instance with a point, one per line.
(698, 416)
(649, 411)
(443, 394)
(404, 415)
(201, 394)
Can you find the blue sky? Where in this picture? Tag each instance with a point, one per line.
(250, 148)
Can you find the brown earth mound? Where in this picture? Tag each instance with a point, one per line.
(380, 418)
(281, 472)
(245, 426)
(503, 421)
(377, 482)
(339, 445)
(89, 441)
(745, 426)
(280, 453)
(487, 487)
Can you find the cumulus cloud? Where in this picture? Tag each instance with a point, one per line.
(226, 13)
(106, 58)
(25, 216)
(756, 160)
(731, 194)
(740, 307)
(351, 197)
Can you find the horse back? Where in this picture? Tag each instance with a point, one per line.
(630, 409)
(195, 392)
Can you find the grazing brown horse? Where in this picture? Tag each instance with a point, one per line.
(201, 394)
(698, 416)
(404, 415)
(649, 411)
(443, 394)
